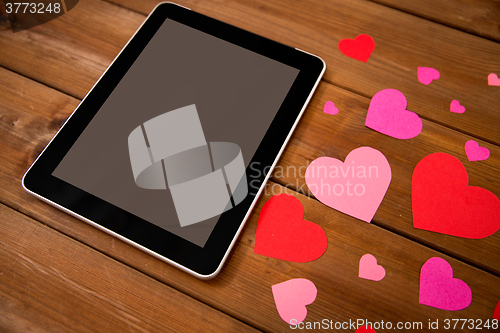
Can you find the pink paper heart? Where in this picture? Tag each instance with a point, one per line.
(476, 153)
(456, 107)
(291, 298)
(439, 289)
(427, 74)
(493, 80)
(369, 269)
(387, 114)
(330, 108)
(355, 187)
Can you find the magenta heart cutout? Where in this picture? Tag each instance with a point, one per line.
(387, 114)
(330, 108)
(456, 107)
(475, 152)
(291, 298)
(427, 74)
(439, 289)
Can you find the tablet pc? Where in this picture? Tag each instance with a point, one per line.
(171, 148)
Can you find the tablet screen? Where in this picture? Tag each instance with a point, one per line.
(172, 141)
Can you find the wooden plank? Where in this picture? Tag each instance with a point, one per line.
(243, 289)
(403, 43)
(32, 129)
(52, 283)
(479, 17)
(71, 52)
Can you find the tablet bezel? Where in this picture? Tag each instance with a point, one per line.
(202, 262)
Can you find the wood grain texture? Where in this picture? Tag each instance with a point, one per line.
(70, 276)
(243, 289)
(318, 135)
(479, 17)
(70, 53)
(404, 42)
(52, 283)
(55, 267)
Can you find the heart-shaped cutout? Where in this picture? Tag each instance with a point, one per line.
(475, 152)
(496, 313)
(387, 114)
(443, 202)
(456, 107)
(283, 234)
(369, 269)
(330, 108)
(365, 329)
(427, 74)
(493, 80)
(291, 298)
(355, 187)
(439, 289)
(359, 48)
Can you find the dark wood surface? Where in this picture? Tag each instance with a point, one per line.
(58, 274)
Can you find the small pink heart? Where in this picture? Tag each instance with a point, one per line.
(355, 187)
(291, 298)
(493, 80)
(476, 153)
(456, 107)
(427, 74)
(369, 269)
(330, 108)
(387, 114)
(439, 289)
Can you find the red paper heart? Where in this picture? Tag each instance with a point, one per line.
(359, 48)
(365, 329)
(443, 202)
(283, 234)
(496, 313)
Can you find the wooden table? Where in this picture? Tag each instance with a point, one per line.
(58, 274)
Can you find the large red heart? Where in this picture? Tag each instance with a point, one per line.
(283, 234)
(359, 48)
(443, 202)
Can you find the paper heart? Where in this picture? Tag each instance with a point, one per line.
(496, 313)
(355, 187)
(427, 74)
(359, 48)
(439, 289)
(365, 329)
(476, 153)
(291, 298)
(330, 108)
(443, 202)
(369, 269)
(456, 107)
(493, 80)
(283, 234)
(387, 114)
